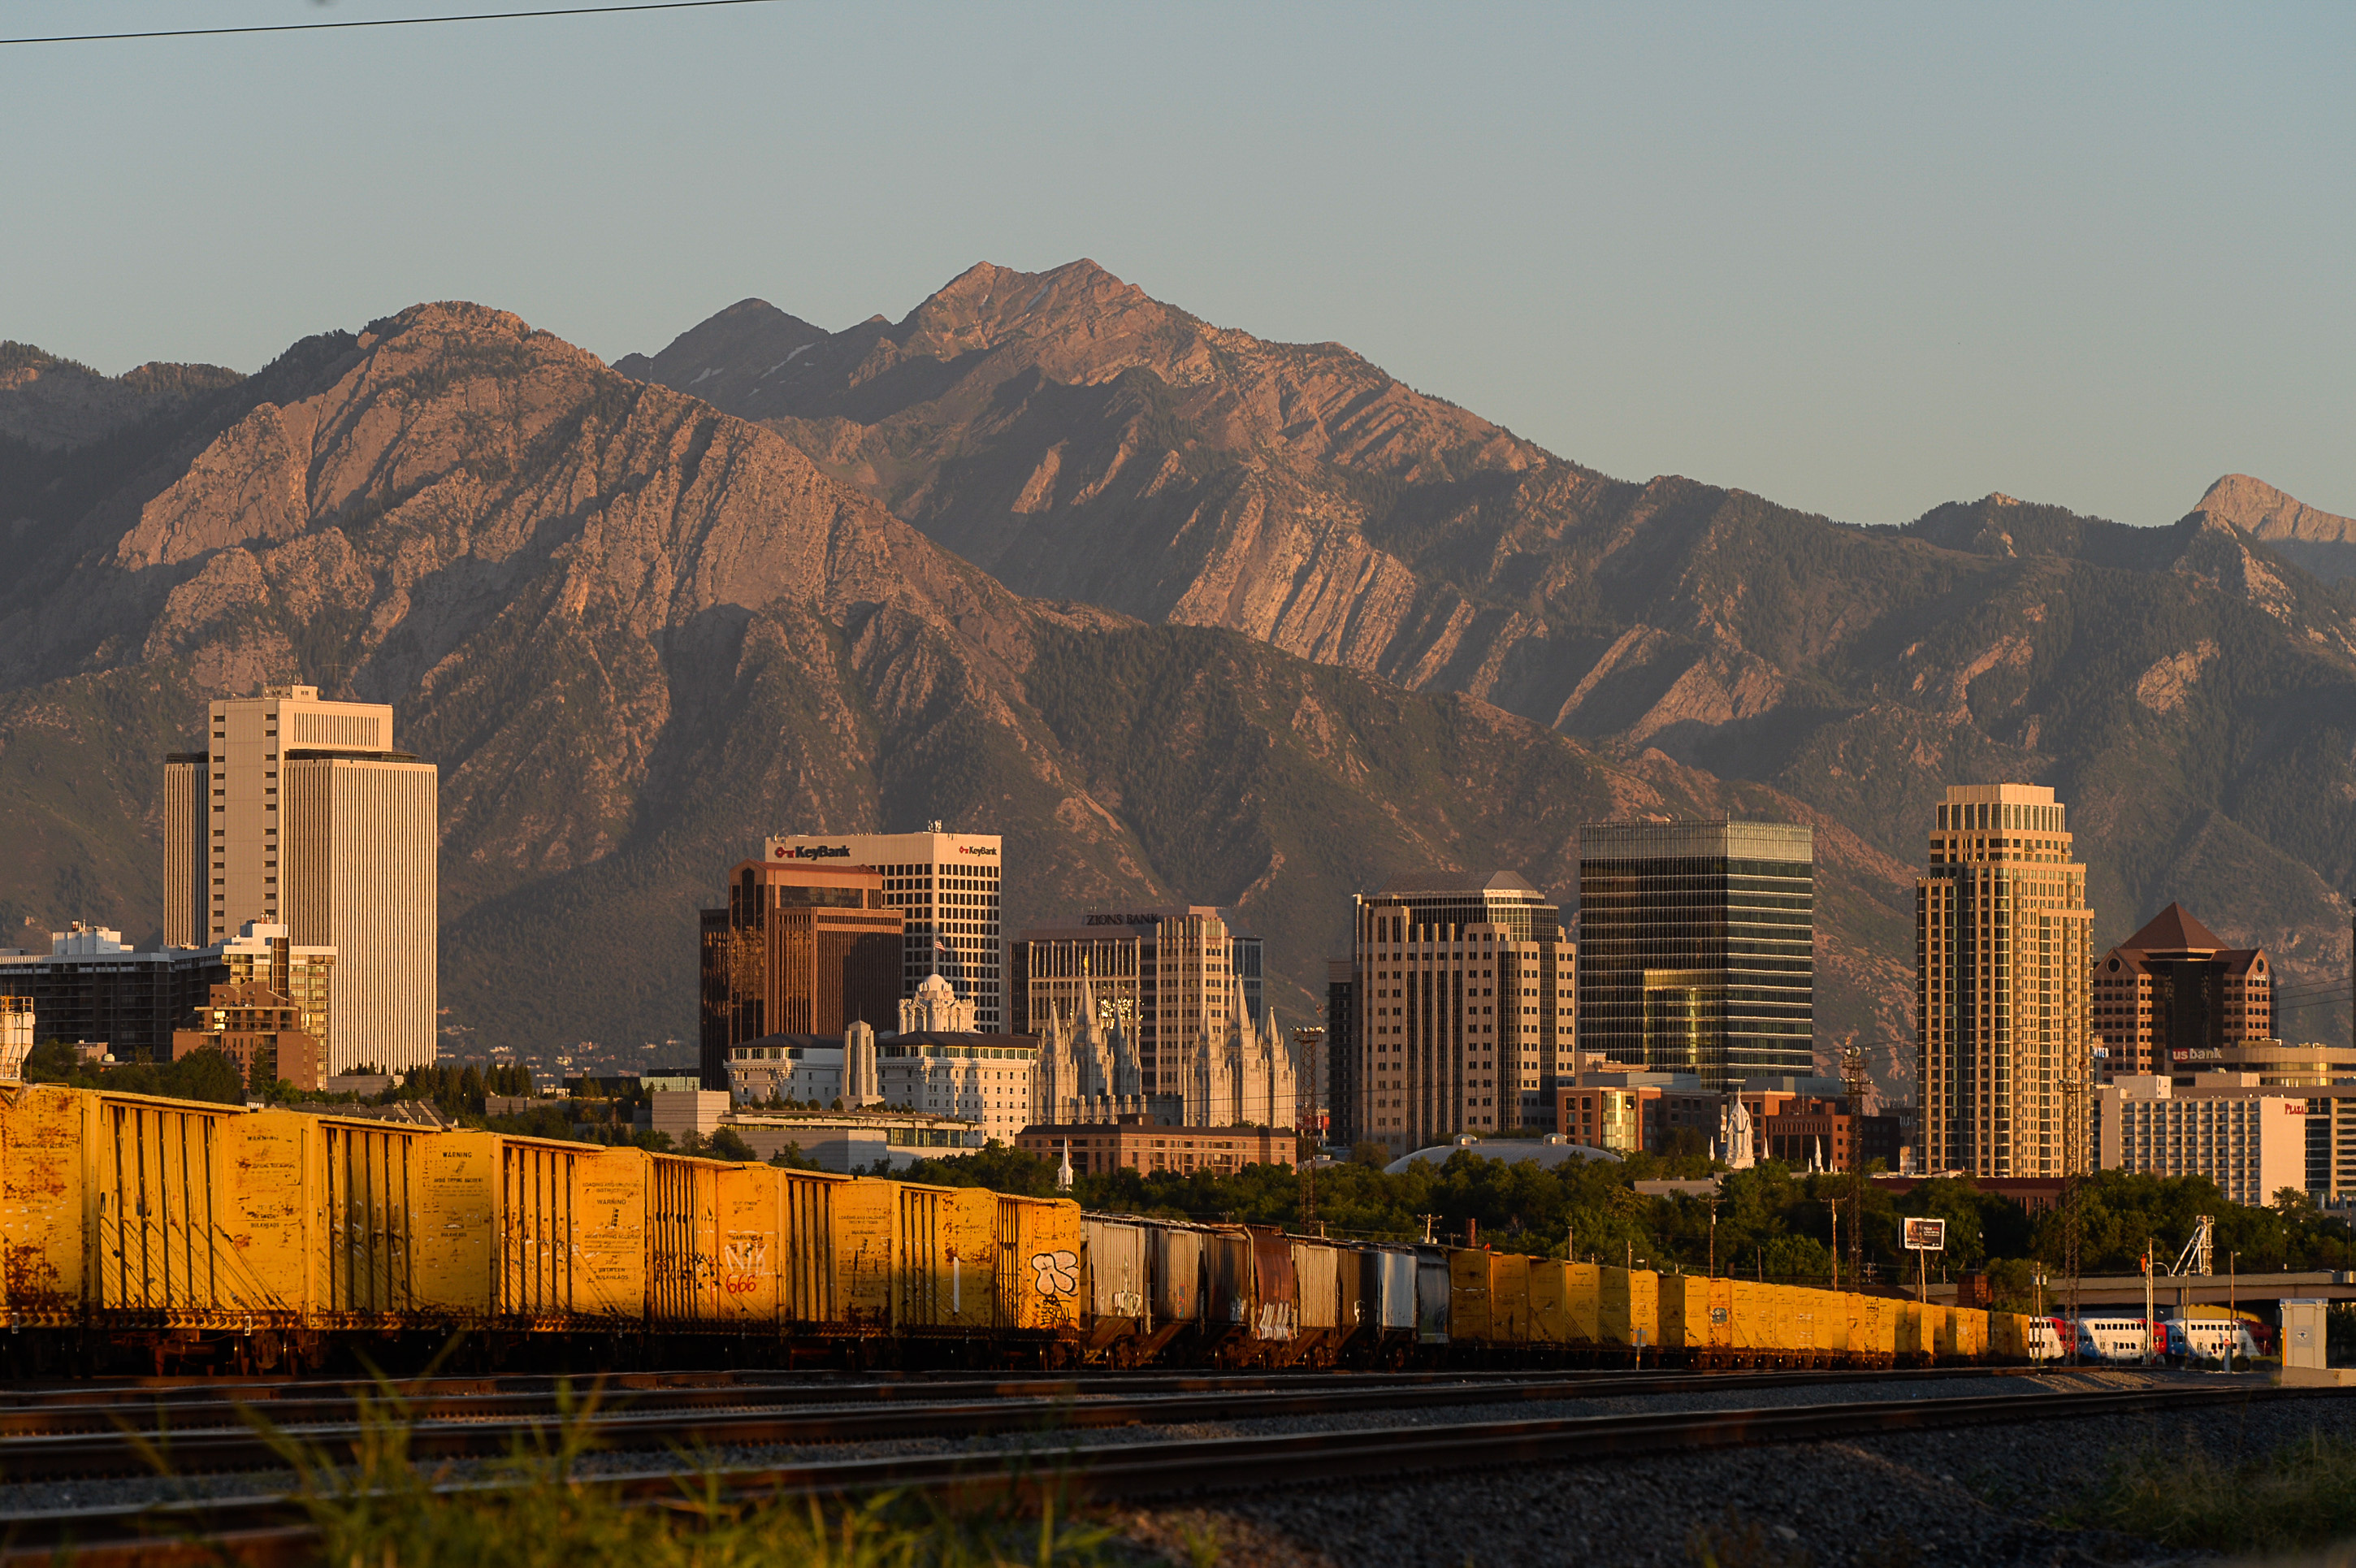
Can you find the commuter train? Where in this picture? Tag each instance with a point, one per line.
(2180, 1341)
(148, 1234)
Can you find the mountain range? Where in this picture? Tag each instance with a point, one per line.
(1187, 615)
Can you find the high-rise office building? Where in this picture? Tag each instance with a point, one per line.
(2174, 999)
(2002, 933)
(300, 813)
(1696, 948)
(803, 948)
(947, 885)
(1163, 977)
(1460, 1001)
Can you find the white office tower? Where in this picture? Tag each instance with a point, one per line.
(300, 813)
(947, 886)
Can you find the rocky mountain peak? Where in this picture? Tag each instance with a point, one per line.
(715, 358)
(2258, 508)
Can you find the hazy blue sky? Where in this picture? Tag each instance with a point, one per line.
(1861, 261)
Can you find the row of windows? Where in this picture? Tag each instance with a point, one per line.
(1651, 869)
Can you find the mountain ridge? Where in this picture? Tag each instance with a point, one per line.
(637, 634)
(1082, 442)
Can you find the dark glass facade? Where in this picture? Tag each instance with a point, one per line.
(1342, 1053)
(1696, 948)
(132, 1001)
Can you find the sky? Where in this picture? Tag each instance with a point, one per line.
(1863, 261)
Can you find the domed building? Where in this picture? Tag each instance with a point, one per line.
(936, 1009)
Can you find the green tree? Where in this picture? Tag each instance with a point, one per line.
(54, 1061)
(994, 1165)
(546, 1121)
(207, 1074)
(727, 1143)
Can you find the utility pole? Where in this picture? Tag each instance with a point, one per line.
(2073, 1178)
(1304, 1121)
(2147, 1263)
(1836, 1209)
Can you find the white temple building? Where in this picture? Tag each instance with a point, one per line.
(1247, 1077)
(1090, 1071)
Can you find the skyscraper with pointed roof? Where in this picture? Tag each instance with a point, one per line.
(2174, 999)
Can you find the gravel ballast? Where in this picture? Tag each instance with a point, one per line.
(1973, 1495)
(1970, 1497)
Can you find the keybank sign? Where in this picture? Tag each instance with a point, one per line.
(811, 852)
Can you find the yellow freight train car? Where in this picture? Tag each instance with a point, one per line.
(1039, 1267)
(1683, 1318)
(1628, 1303)
(138, 1232)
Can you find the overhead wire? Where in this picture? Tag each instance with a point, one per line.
(384, 22)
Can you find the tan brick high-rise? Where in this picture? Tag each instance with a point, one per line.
(299, 812)
(2002, 934)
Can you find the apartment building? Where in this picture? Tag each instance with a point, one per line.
(2003, 935)
(2249, 1140)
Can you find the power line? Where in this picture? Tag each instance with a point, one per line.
(384, 22)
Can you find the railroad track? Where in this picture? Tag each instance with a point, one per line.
(271, 1531)
(196, 1436)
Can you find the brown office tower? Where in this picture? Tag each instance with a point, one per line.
(2175, 999)
(801, 950)
(2001, 937)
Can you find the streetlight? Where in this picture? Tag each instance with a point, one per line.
(2232, 1307)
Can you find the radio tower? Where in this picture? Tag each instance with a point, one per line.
(1856, 1081)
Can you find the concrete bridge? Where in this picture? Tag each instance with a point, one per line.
(2169, 1291)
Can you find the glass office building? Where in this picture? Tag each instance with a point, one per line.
(1696, 948)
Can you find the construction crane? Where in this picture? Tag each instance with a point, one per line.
(2197, 1252)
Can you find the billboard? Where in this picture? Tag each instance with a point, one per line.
(1926, 1235)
